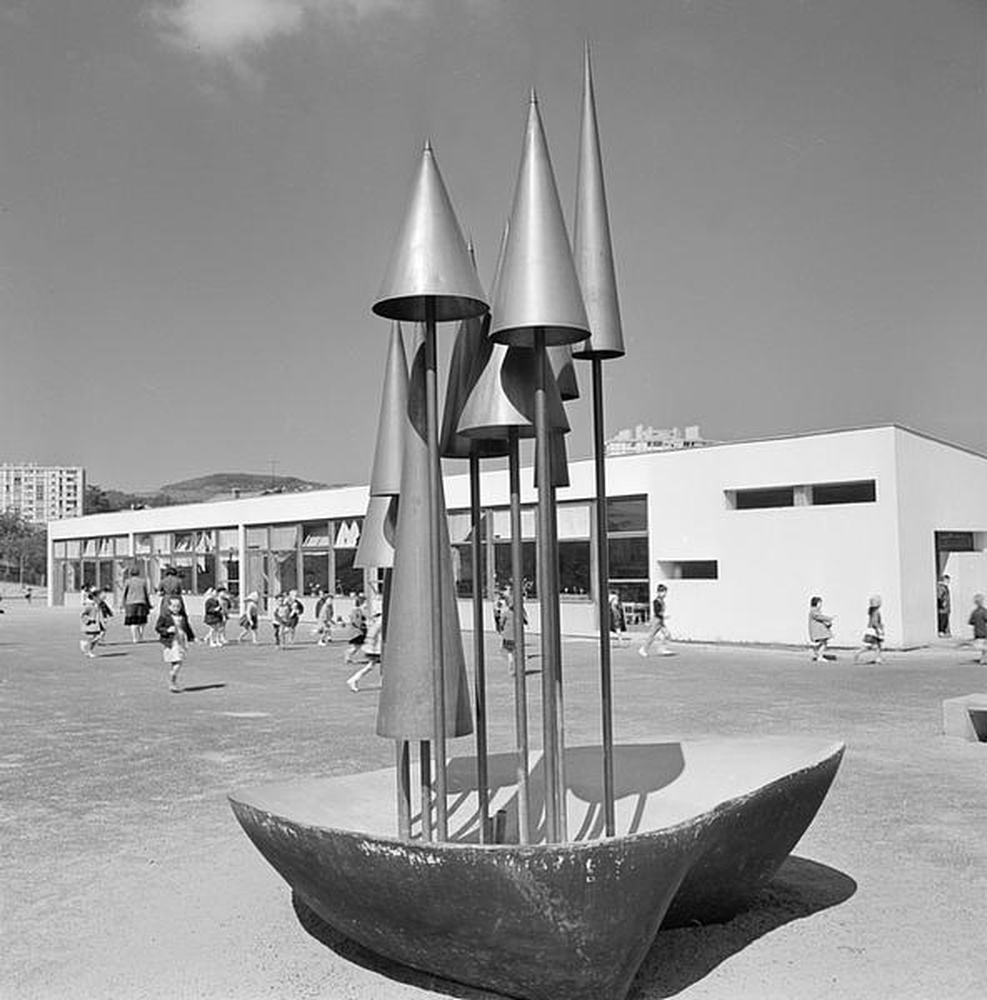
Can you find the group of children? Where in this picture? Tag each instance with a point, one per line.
(175, 631)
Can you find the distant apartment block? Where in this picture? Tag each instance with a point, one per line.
(634, 441)
(42, 493)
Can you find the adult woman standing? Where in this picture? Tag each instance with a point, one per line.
(136, 603)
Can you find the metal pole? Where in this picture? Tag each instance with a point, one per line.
(425, 778)
(552, 575)
(403, 771)
(546, 599)
(435, 570)
(602, 595)
(479, 662)
(520, 658)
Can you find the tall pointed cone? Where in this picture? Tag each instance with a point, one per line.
(375, 549)
(592, 250)
(504, 397)
(385, 479)
(538, 286)
(405, 710)
(564, 371)
(430, 261)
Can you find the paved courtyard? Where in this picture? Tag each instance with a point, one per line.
(123, 873)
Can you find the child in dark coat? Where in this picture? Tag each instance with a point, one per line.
(175, 633)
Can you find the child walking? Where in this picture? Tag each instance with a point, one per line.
(371, 650)
(358, 620)
(250, 618)
(175, 633)
(978, 619)
(226, 606)
(820, 629)
(874, 633)
(212, 617)
(618, 620)
(323, 614)
(91, 623)
(507, 643)
(659, 630)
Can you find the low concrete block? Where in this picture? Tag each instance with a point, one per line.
(966, 717)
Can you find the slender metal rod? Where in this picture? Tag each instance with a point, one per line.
(402, 748)
(425, 782)
(403, 771)
(546, 599)
(555, 637)
(479, 658)
(435, 570)
(520, 657)
(603, 596)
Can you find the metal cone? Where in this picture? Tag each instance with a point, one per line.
(405, 710)
(470, 355)
(376, 546)
(592, 249)
(564, 371)
(538, 287)
(504, 397)
(385, 479)
(430, 264)
(558, 459)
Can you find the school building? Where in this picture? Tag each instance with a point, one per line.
(742, 533)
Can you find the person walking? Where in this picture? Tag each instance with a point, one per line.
(874, 633)
(618, 620)
(91, 622)
(212, 618)
(324, 618)
(358, 621)
(507, 643)
(943, 606)
(170, 586)
(820, 630)
(175, 633)
(371, 650)
(136, 603)
(978, 619)
(250, 618)
(659, 629)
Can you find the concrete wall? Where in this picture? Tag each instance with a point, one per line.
(771, 561)
(941, 488)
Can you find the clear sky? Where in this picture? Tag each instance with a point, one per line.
(198, 198)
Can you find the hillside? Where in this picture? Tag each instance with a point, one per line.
(223, 484)
(218, 485)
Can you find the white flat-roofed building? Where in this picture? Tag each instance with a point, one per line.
(742, 534)
(42, 493)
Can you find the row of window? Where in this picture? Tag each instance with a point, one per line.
(319, 554)
(808, 495)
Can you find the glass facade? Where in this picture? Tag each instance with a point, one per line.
(313, 556)
(627, 522)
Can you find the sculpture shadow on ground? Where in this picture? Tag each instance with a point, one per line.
(192, 688)
(682, 956)
(678, 958)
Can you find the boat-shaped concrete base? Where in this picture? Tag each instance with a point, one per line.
(701, 827)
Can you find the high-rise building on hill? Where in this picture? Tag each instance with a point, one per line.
(42, 493)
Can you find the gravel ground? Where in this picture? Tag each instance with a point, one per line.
(123, 873)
